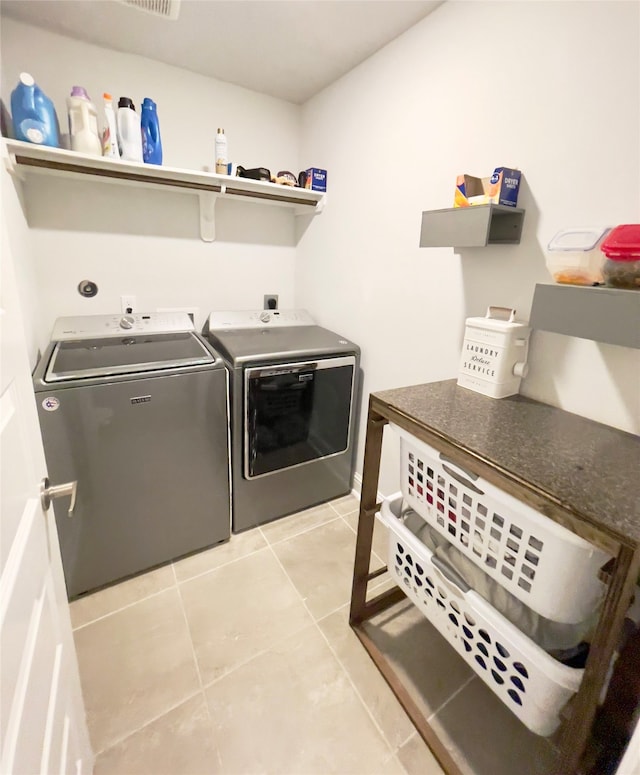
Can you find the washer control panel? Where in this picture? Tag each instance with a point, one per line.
(264, 318)
(97, 326)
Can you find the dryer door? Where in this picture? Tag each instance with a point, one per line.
(295, 413)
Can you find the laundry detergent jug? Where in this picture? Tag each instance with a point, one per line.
(150, 126)
(83, 123)
(129, 130)
(33, 115)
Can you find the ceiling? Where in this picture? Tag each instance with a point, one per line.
(289, 49)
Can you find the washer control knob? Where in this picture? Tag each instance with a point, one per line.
(265, 317)
(127, 321)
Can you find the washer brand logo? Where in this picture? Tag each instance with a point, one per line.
(50, 404)
(140, 400)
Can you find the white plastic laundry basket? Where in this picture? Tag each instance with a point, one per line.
(529, 682)
(548, 567)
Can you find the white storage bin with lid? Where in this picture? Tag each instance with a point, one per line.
(530, 682)
(494, 353)
(574, 256)
(549, 568)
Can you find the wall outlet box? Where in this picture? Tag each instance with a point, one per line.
(316, 179)
(128, 304)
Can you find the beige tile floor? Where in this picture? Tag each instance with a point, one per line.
(239, 660)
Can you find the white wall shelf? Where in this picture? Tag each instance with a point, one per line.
(609, 315)
(471, 227)
(26, 159)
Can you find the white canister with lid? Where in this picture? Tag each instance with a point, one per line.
(574, 256)
(494, 353)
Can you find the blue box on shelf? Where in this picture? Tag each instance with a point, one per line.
(316, 179)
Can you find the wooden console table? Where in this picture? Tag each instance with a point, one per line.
(577, 472)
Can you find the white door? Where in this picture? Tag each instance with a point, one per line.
(42, 718)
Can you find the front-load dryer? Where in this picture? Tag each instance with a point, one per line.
(294, 399)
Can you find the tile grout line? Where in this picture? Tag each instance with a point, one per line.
(269, 546)
(191, 644)
(311, 623)
(177, 581)
(199, 692)
(355, 688)
(250, 659)
(455, 694)
(302, 532)
(123, 608)
(335, 656)
(218, 567)
(146, 724)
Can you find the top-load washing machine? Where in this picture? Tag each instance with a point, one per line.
(294, 396)
(134, 410)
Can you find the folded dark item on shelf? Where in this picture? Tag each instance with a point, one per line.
(255, 173)
(560, 640)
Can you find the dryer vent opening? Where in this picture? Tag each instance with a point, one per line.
(168, 9)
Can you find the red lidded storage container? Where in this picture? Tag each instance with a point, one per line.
(622, 249)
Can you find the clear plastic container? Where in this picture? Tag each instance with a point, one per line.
(574, 256)
(622, 250)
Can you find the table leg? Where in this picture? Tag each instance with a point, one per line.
(368, 508)
(575, 734)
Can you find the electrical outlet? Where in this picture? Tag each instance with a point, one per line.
(128, 304)
(271, 301)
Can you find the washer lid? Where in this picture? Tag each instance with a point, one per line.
(85, 358)
(240, 346)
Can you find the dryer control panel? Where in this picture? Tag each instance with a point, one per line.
(264, 318)
(96, 326)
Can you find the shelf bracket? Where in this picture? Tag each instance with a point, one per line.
(306, 210)
(12, 167)
(208, 202)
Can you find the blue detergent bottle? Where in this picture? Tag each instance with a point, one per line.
(33, 115)
(150, 128)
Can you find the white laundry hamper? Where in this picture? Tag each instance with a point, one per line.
(546, 566)
(532, 684)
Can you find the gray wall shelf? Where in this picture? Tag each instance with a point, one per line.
(471, 227)
(608, 315)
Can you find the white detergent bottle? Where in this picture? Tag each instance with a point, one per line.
(110, 133)
(129, 132)
(83, 123)
(221, 153)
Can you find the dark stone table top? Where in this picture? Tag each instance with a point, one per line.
(589, 468)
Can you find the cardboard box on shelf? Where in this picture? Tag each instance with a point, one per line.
(316, 179)
(501, 188)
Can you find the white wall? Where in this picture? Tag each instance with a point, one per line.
(12, 211)
(552, 88)
(146, 243)
(549, 87)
